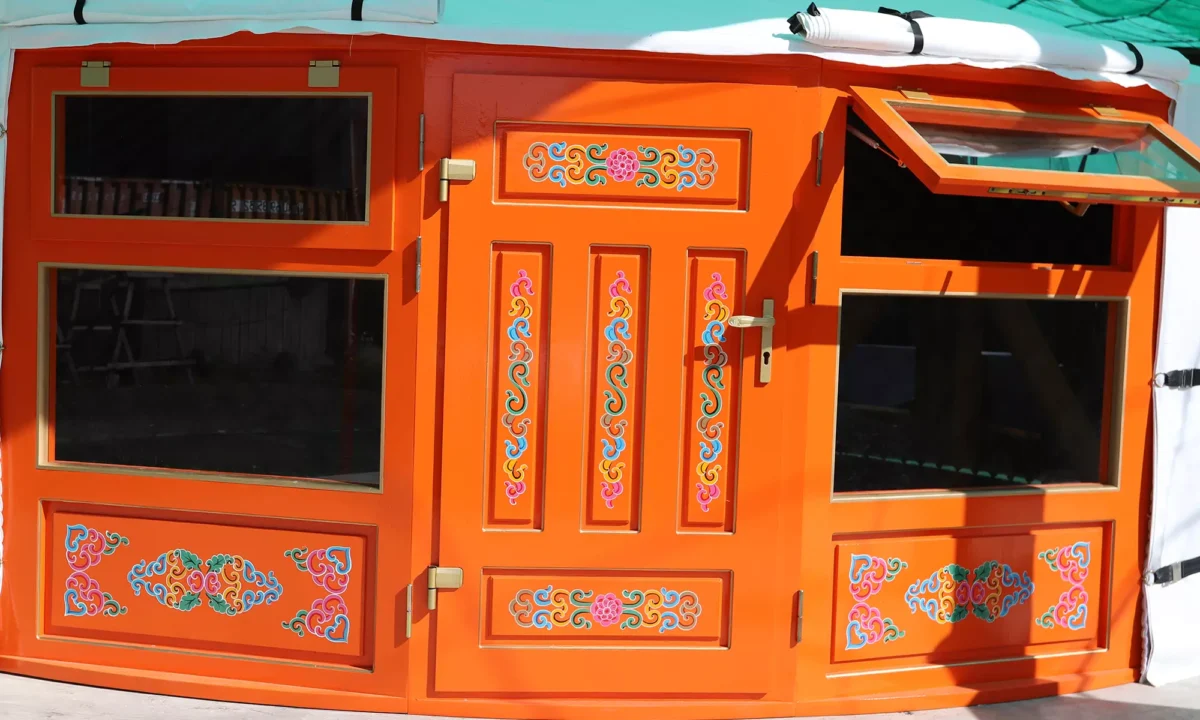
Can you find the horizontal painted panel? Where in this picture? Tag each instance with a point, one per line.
(602, 164)
(597, 608)
(209, 587)
(933, 596)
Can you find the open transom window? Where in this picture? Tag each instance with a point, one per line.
(1056, 152)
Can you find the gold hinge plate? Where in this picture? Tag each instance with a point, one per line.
(408, 607)
(442, 578)
(452, 169)
(324, 73)
(915, 94)
(799, 616)
(1106, 111)
(94, 73)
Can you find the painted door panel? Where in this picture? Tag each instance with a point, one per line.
(603, 421)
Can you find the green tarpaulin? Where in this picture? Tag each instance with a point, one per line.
(1173, 23)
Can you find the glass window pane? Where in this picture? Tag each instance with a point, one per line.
(952, 392)
(888, 212)
(247, 374)
(245, 157)
(1030, 142)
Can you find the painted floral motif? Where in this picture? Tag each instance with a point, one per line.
(953, 593)
(329, 616)
(1071, 564)
(516, 400)
(680, 167)
(716, 313)
(552, 607)
(229, 584)
(620, 310)
(865, 624)
(85, 548)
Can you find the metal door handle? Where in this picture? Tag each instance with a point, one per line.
(767, 323)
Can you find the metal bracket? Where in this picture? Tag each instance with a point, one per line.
(799, 616)
(767, 323)
(421, 143)
(324, 73)
(1106, 111)
(452, 169)
(915, 94)
(442, 578)
(417, 274)
(94, 73)
(820, 156)
(408, 614)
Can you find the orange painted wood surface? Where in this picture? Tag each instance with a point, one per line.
(775, 529)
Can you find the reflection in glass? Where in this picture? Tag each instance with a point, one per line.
(258, 375)
(244, 157)
(952, 392)
(1027, 142)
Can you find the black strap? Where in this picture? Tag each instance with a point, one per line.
(912, 17)
(1178, 379)
(794, 23)
(79, 12)
(1173, 572)
(1138, 62)
(356, 10)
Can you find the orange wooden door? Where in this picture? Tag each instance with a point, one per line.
(611, 463)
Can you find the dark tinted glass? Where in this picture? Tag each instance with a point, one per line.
(261, 375)
(888, 212)
(265, 158)
(942, 392)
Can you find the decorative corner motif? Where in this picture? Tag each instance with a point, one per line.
(550, 608)
(328, 617)
(85, 548)
(620, 309)
(865, 624)
(716, 313)
(680, 167)
(229, 584)
(516, 402)
(1071, 564)
(953, 593)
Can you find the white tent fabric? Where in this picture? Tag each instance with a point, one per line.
(1172, 634)
(720, 27)
(953, 37)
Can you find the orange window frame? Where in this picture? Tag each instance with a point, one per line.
(877, 107)
(375, 233)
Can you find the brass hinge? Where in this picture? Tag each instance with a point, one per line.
(820, 155)
(915, 94)
(408, 614)
(417, 279)
(799, 616)
(1106, 111)
(94, 73)
(442, 578)
(452, 169)
(324, 73)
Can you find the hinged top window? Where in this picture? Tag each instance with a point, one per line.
(1060, 152)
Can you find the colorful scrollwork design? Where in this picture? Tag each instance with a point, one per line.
(679, 167)
(85, 548)
(516, 399)
(865, 624)
(716, 314)
(229, 584)
(619, 356)
(953, 593)
(1071, 564)
(329, 616)
(551, 607)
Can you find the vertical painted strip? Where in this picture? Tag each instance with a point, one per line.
(612, 475)
(520, 285)
(713, 364)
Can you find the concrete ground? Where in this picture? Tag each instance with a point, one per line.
(29, 699)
